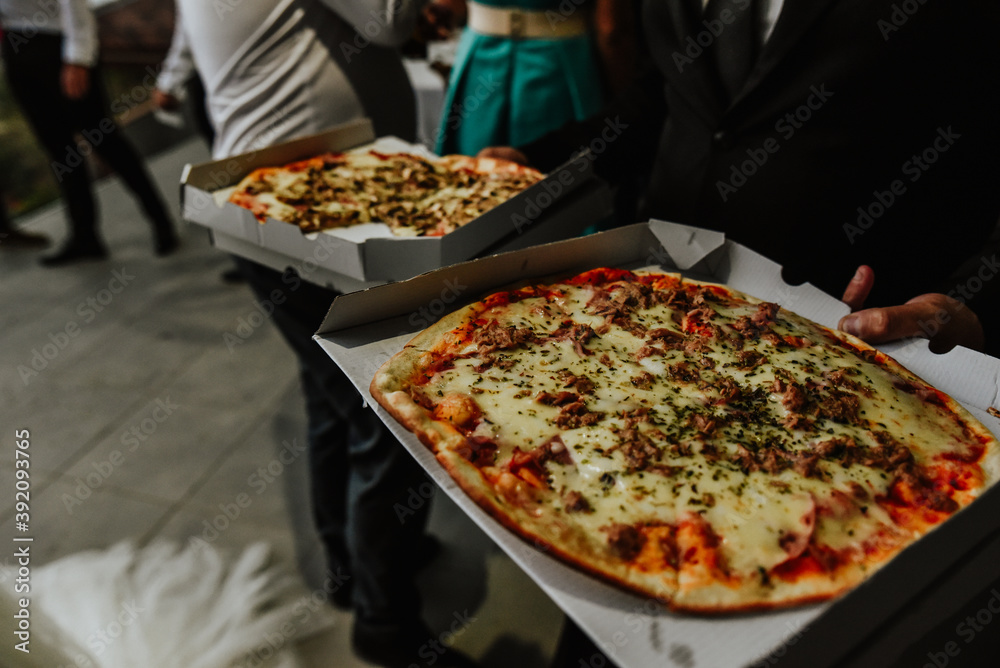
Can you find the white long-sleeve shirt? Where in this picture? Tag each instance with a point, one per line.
(178, 66)
(70, 18)
(275, 70)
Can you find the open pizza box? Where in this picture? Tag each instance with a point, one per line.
(869, 626)
(563, 204)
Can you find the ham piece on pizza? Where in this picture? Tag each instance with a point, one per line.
(684, 440)
(413, 195)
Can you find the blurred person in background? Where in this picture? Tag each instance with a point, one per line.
(273, 71)
(179, 81)
(525, 67)
(50, 54)
(841, 159)
(12, 237)
(853, 143)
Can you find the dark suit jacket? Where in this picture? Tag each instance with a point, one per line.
(852, 105)
(865, 134)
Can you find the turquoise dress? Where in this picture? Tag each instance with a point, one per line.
(508, 92)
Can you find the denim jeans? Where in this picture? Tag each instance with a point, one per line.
(33, 71)
(359, 473)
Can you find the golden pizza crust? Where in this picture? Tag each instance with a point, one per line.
(522, 509)
(414, 196)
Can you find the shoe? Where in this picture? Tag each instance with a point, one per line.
(407, 646)
(425, 551)
(20, 239)
(165, 241)
(76, 251)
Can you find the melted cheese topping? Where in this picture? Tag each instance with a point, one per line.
(413, 196)
(701, 425)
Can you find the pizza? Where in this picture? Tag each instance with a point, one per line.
(413, 195)
(684, 440)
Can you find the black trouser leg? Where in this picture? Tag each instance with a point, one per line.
(5, 225)
(122, 157)
(33, 71)
(361, 477)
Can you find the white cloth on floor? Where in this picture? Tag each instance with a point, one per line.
(163, 606)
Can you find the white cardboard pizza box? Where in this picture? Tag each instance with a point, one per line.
(564, 221)
(364, 329)
(370, 252)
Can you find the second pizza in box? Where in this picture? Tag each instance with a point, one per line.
(381, 209)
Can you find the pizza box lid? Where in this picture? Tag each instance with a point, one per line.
(370, 252)
(364, 329)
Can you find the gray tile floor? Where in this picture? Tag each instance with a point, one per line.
(143, 422)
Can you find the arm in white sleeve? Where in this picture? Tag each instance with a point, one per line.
(79, 29)
(178, 66)
(384, 22)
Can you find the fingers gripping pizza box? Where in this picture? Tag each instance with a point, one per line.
(364, 330)
(558, 206)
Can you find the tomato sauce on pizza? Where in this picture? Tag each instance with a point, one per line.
(687, 441)
(413, 195)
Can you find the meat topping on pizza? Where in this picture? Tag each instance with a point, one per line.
(686, 440)
(413, 195)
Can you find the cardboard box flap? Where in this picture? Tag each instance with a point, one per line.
(973, 376)
(688, 246)
(371, 252)
(635, 631)
(404, 257)
(705, 254)
(348, 134)
(461, 283)
(758, 276)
